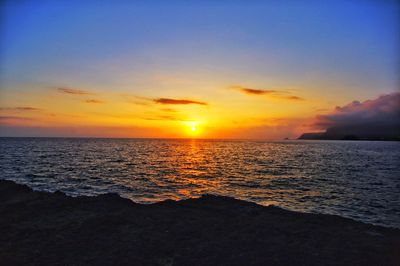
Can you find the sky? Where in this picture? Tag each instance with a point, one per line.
(185, 69)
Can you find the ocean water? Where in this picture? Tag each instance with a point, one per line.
(354, 179)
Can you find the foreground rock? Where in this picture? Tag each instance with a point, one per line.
(38, 228)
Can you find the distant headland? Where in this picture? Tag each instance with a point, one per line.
(383, 133)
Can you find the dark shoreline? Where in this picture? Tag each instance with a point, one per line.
(39, 228)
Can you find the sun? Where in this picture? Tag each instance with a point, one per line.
(192, 128)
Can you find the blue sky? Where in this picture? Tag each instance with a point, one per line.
(355, 40)
(336, 51)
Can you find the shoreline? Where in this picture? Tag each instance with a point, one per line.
(42, 228)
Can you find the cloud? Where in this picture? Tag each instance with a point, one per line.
(383, 110)
(74, 91)
(262, 128)
(83, 131)
(256, 91)
(293, 98)
(93, 101)
(136, 99)
(177, 101)
(13, 120)
(271, 93)
(380, 116)
(163, 118)
(22, 108)
(140, 100)
(138, 103)
(168, 110)
(4, 117)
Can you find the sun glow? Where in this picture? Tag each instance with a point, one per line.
(192, 128)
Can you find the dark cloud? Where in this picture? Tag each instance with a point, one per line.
(380, 116)
(93, 101)
(271, 93)
(177, 101)
(74, 91)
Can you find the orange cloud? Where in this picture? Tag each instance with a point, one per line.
(74, 91)
(177, 101)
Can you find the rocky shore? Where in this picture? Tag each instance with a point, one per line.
(39, 228)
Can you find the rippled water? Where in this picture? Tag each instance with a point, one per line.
(360, 180)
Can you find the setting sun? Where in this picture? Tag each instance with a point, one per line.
(192, 128)
(250, 132)
(109, 79)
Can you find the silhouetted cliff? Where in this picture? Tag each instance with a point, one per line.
(356, 132)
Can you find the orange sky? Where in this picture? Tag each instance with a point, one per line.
(225, 112)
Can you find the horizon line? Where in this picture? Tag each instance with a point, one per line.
(148, 138)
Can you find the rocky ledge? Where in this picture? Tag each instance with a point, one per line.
(39, 228)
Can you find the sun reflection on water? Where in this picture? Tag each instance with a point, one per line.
(304, 176)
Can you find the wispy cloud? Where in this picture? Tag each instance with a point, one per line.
(168, 110)
(322, 109)
(21, 108)
(136, 99)
(162, 118)
(79, 131)
(279, 94)
(74, 91)
(166, 101)
(292, 98)
(65, 115)
(5, 117)
(177, 101)
(253, 91)
(138, 102)
(94, 101)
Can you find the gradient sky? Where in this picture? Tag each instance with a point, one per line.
(237, 69)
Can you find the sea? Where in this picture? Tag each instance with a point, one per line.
(353, 179)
